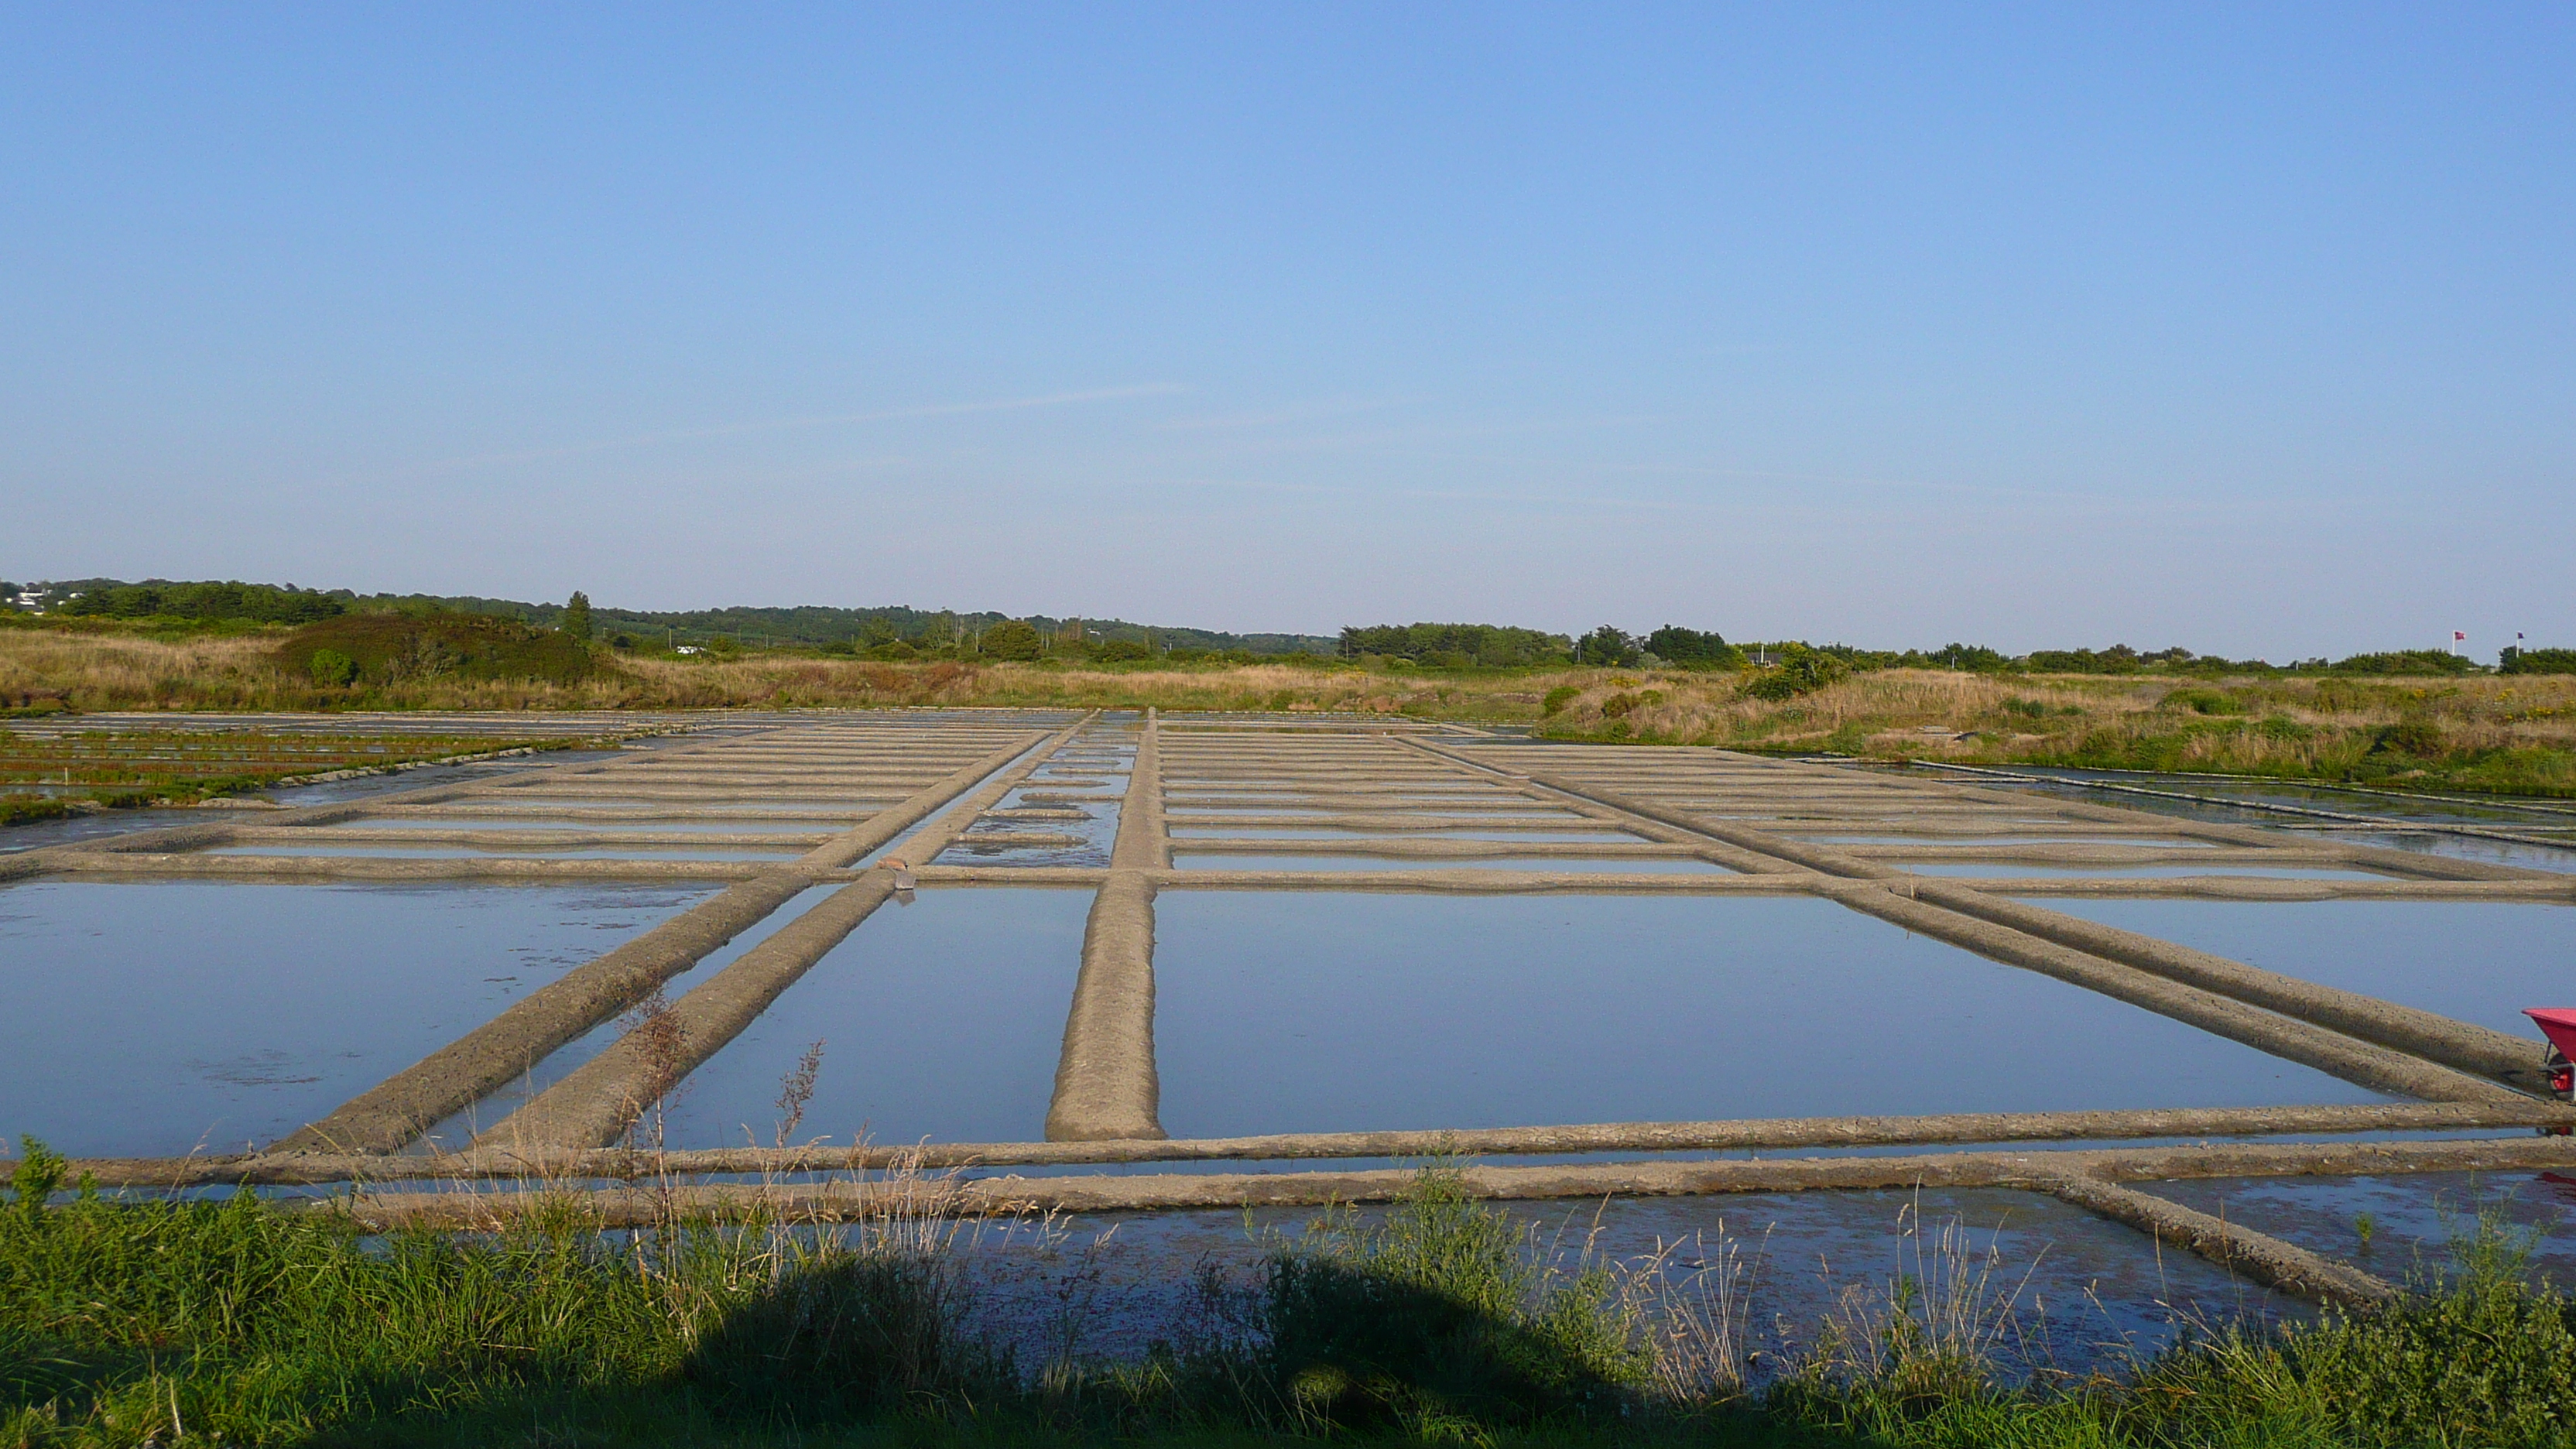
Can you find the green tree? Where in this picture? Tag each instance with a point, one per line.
(2539, 661)
(1692, 649)
(576, 616)
(1606, 647)
(1485, 644)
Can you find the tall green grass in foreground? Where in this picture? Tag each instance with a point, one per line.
(244, 1323)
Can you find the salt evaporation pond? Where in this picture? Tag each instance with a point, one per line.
(940, 1019)
(2478, 961)
(1281, 1012)
(152, 1019)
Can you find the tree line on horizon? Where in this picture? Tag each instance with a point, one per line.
(899, 631)
(1608, 646)
(851, 629)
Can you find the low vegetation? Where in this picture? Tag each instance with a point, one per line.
(91, 769)
(2506, 731)
(395, 649)
(244, 1322)
(2511, 734)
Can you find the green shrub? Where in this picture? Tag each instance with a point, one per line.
(2406, 661)
(2026, 708)
(1619, 706)
(332, 669)
(2201, 701)
(1011, 639)
(2480, 1359)
(1799, 670)
(1484, 644)
(2538, 661)
(28, 809)
(2420, 738)
(1122, 651)
(1558, 698)
(404, 648)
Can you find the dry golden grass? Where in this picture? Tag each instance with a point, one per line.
(2499, 732)
(2486, 732)
(94, 671)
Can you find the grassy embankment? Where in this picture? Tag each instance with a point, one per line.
(2514, 734)
(126, 1323)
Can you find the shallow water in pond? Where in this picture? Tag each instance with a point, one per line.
(939, 1019)
(461, 1128)
(2083, 1291)
(522, 822)
(146, 1019)
(2479, 961)
(1640, 865)
(1291, 1012)
(469, 852)
(2159, 842)
(1568, 836)
(2415, 1220)
(2504, 816)
(2005, 869)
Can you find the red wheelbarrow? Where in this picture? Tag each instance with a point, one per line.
(2558, 1023)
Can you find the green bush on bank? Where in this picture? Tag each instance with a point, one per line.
(2538, 661)
(1010, 640)
(382, 649)
(28, 809)
(1798, 670)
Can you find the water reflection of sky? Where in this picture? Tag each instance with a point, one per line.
(2478, 961)
(1290, 1012)
(146, 1019)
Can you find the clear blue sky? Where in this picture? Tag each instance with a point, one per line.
(2247, 328)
